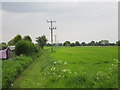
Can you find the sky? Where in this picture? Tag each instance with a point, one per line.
(75, 21)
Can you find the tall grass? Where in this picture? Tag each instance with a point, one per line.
(83, 67)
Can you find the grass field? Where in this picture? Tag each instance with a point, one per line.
(72, 67)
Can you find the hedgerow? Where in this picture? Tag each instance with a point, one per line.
(12, 68)
(25, 47)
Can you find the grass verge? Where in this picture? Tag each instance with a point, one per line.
(13, 67)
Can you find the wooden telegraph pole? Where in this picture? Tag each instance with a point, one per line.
(51, 28)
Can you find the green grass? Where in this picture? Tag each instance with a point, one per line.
(88, 66)
(72, 67)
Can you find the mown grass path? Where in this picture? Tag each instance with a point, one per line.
(32, 77)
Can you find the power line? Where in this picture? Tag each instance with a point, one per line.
(51, 28)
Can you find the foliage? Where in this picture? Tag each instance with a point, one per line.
(28, 38)
(77, 43)
(92, 43)
(48, 44)
(25, 47)
(12, 68)
(60, 44)
(16, 39)
(66, 43)
(118, 42)
(41, 41)
(72, 44)
(104, 42)
(11, 42)
(83, 44)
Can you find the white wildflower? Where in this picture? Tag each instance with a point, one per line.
(97, 78)
(53, 68)
(55, 62)
(59, 62)
(59, 75)
(12, 84)
(94, 82)
(75, 72)
(65, 63)
(64, 70)
(112, 64)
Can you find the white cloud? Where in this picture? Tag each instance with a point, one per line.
(78, 21)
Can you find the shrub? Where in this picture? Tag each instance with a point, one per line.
(25, 47)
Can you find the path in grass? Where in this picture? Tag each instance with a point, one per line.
(32, 77)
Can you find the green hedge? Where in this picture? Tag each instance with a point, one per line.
(25, 47)
(12, 68)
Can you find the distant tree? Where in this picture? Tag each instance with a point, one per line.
(83, 44)
(11, 42)
(118, 42)
(60, 44)
(92, 43)
(97, 44)
(15, 40)
(48, 44)
(104, 42)
(28, 38)
(41, 41)
(66, 43)
(112, 44)
(72, 44)
(77, 43)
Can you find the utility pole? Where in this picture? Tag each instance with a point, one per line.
(51, 28)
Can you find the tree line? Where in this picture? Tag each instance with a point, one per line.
(92, 43)
(25, 45)
(26, 41)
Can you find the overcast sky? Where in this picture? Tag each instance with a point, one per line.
(81, 21)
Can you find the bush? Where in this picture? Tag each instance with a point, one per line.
(25, 47)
